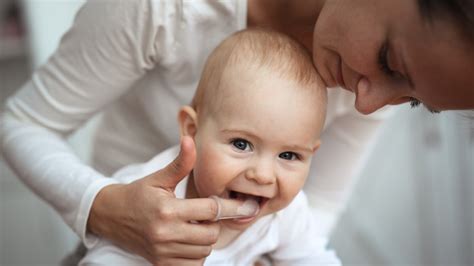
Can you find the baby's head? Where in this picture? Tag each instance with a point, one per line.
(256, 120)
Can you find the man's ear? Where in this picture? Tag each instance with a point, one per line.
(187, 119)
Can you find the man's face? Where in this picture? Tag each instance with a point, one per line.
(386, 53)
(258, 143)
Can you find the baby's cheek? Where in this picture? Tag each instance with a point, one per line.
(288, 189)
(209, 175)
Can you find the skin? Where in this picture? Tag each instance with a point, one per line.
(163, 237)
(432, 63)
(429, 62)
(266, 155)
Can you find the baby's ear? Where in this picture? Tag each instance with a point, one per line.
(316, 145)
(187, 119)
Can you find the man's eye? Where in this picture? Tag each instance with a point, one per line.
(241, 144)
(414, 102)
(288, 155)
(383, 63)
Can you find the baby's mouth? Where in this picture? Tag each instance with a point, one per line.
(249, 209)
(244, 197)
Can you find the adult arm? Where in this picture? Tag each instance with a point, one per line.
(98, 60)
(110, 46)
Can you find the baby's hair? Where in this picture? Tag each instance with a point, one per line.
(259, 50)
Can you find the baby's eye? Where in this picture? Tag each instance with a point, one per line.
(288, 155)
(241, 144)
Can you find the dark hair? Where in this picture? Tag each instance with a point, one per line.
(460, 11)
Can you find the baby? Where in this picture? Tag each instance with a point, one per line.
(255, 120)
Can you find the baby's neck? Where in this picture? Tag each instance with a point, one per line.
(226, 235)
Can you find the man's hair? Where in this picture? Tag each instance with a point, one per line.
(261, 51)
(460, 11)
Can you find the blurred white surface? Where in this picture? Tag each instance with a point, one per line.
(414, 202)
(46, 21)
(31, 233)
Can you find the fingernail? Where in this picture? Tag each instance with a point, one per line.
(249, 208)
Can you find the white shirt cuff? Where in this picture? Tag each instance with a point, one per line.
(80, 225)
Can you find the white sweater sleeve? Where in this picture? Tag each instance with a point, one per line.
(109, 47)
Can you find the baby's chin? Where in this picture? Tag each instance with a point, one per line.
(240, 224)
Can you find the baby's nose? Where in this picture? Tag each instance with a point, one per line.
(262, 172)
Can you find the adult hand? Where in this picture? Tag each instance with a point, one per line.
(146, 218)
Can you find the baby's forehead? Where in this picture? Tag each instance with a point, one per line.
(270, 108)
(249, 78)
(255, 93)
(249, 87)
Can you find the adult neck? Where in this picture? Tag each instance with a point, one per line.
(295, 18)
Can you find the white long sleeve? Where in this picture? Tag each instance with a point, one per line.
(59, 98)
(48, 166)
(136, 60)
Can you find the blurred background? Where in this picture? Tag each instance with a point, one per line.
(413, 203)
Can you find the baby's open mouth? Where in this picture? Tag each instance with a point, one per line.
(244, 196)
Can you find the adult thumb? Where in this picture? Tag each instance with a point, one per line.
(179, 168)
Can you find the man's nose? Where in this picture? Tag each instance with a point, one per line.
(371, 96)
(261, 171)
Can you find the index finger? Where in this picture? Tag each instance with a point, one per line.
(228, 210)
(208, 209)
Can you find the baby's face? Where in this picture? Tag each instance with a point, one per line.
(258, 144)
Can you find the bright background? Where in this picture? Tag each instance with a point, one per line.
(413, 204)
